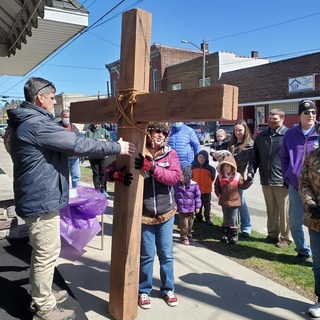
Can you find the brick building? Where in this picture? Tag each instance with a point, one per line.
(282, 84)
(174, 68)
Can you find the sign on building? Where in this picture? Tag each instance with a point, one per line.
(305, 83)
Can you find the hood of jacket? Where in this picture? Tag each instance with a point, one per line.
(26, 111)
(205, 154)
(227, 160)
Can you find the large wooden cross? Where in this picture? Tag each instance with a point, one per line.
(199, 104)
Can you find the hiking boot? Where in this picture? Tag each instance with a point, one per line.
(301, 258)
(144, 301)
(233, 240)
(224, 239)
(315, 310)
(60, 296)
(171, 299)
(56, 313)
(282, 244)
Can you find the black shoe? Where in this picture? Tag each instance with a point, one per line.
(245, 234)
(301, 258)
(210, 223)
(269, 239)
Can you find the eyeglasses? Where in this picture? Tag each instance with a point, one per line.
(307, 112)
(159, 130)
(47, 85)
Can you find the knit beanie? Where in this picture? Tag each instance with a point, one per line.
(187, 173)
(305, 105)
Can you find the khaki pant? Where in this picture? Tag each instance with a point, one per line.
(186, 224)
(44, 236)
(277, 204)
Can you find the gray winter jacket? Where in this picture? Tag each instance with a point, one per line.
(39, 151)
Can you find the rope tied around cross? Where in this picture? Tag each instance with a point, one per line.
(125, 102)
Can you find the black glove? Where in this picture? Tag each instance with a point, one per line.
(144, 163)
(122, 177)
(249, 179)
(315, 211)
(285, 185)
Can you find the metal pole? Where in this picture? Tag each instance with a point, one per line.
(203, 47)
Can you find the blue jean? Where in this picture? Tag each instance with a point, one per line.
(296, 211)
(74, 169)
(315, 248)
(245, 221)
(157, 236)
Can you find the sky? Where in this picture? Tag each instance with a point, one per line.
(277, 29)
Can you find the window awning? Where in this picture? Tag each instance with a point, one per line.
(31, 30)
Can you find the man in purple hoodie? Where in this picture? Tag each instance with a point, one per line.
(298, 141)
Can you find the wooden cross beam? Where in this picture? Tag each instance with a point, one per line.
(205, 103)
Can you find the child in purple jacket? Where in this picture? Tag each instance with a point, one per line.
(188, 199)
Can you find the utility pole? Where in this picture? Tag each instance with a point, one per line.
(204, 48)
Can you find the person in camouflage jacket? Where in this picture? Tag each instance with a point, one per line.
(309, 189)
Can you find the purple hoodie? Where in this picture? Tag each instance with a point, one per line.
(295, 146)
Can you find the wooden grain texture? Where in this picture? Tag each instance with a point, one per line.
(217, 102)
(127, 212)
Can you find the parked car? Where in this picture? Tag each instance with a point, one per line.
(200, 130)
(3, 128)
(261, 127)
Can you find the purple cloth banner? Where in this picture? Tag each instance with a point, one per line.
(78, 221)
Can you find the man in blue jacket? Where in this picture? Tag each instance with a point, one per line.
(39, 149)
(184, 140)
(297, 143)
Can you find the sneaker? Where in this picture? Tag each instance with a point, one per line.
(104, 192)
(171, 299)
(301, 258)
(144, 301)
(269, 239)
(56, 313)
(185, 241)
(61, 296)
(190, 238)
(315, 310)
(282, 244)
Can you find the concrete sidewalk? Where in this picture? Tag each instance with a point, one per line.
(208, 285)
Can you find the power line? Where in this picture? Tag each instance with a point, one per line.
(265, 27)
(66, 46)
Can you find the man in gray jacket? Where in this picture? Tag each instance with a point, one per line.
(39, 149)
(266, 157)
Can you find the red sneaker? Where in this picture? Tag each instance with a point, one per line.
(144, 301)
(171, 299)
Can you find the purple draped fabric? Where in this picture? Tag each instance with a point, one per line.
(78, 221)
